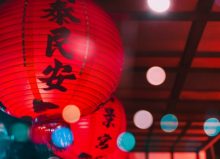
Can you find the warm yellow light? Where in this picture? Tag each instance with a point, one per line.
(71, 114)
(159, 6)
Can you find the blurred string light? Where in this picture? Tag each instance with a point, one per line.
(20, 132)
(212, 127)
(71, 114)
(4, 141)
(217, 2)
(62, 137)
(126, 141)
(159, 6)
(156, 75)
(3, 132)
(169, 123)
(143, 119)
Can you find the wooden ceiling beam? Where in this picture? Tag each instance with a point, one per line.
(174, 16)
(198, 25)
(180, 136)
(206, 145)
(173, 54)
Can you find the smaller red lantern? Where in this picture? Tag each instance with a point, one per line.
(96, 135)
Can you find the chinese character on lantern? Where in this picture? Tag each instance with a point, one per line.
(57, 40)
(103, 141)
(84, 156)
(109, 117)
(58, 74)
(60, 13)
(99, 157)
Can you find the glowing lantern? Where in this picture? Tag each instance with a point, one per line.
(42, 134)
(56, 53)
(96, 135)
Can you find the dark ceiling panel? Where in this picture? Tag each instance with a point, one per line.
(196, 31)
(207, 63)
(162, 61)
(200, 95)
(160, 36)
(203, 80)
(210, 41)
(143, 94)
(138, 81)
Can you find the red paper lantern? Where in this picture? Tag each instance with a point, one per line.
(56, 53)
(40, 133)
(96, 135)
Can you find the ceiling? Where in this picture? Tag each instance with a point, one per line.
(186, 43)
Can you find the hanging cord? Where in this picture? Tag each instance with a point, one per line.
(87, 37)
(23, 31)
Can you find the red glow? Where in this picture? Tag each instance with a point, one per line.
(160, 155)
(189, 155)
(137, 155)
(202, 155)
(166, 155)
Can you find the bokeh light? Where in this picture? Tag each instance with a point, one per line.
(71, 114)
(169, 123)
(217, 2)
(3, 131)
(212, 127)
(126, 141)
(20, 132)
(143, 119)
(156, 75)
(159, 6)
(62, 137)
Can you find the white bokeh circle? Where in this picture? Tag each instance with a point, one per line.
(143, 119)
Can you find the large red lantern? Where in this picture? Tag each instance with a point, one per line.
(56, 53)
(95, 135)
